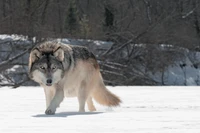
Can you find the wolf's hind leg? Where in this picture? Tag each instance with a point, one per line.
(90, 104)
(82, 99)
(82, 96)
(55, 102)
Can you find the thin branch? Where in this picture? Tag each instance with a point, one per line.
(4, 64)
(147, 3)
(139, 35)
(20, 83)
(114, 73)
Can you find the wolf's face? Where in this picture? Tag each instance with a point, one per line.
(46, 69)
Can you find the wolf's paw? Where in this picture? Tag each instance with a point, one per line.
(92, 109)
(49, 112)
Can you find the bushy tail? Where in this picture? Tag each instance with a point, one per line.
(104, 97)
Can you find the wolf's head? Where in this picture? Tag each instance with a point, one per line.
(45, 67)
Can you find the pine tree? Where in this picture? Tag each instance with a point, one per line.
(109, 17)
(71, 21)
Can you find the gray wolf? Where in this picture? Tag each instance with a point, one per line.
(69, 71)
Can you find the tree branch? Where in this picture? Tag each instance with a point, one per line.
(4, 65)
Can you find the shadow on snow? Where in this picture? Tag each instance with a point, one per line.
(66, 114)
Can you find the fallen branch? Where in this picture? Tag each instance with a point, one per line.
(4, 65)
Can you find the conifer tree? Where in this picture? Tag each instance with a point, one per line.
(71, 21)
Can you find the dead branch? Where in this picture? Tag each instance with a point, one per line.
(152, 26)
(5, 64)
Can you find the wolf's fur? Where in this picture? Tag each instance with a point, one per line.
(66, 70)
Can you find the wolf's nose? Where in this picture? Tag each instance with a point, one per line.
(49, 81)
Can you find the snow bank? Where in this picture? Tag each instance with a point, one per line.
(183, 72)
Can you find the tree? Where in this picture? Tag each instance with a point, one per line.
(72, 19)
(84, 27)
(109, 17)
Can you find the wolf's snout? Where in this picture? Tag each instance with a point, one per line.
(49, 82)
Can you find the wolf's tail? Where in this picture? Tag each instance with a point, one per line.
(104, 97)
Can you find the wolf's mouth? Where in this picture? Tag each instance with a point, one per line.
(48, 84)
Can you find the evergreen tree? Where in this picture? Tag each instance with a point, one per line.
(71, 21)
(109, 17)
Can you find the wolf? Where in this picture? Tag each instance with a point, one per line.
(65, 70)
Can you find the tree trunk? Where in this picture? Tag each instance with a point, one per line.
(4, 8)
(43, 16)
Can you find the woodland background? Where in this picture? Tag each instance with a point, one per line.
(147, 36)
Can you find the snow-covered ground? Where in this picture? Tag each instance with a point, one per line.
(144, 110)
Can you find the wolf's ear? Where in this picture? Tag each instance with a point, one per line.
(59, 54)
(34, 55)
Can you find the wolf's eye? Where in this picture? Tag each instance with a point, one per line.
(53, 68)
(41, 67)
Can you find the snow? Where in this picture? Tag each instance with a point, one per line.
(144, 110)
(176, 75)
(6, 37)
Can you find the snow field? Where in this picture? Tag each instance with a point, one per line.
(144, 110)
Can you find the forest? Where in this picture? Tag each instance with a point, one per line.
(148, 36)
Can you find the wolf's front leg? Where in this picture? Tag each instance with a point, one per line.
(49, 94)
(55, 102)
